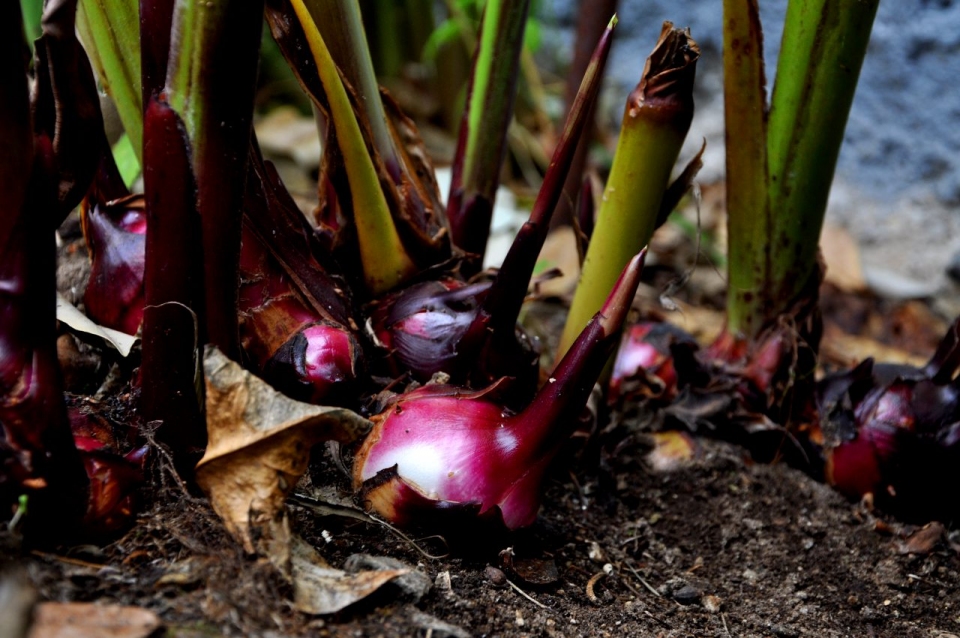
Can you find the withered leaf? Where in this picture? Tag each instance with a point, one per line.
(924, 540)
(89, 620)
(672, 450)
(321, 589)
(68, 314)
(259, 444)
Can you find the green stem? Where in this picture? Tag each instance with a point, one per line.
(655, 123)
(780, 164)
(815, 85)
(749, 220)
(385, 261)
(110, 30)
(341, 26)
(483, 133)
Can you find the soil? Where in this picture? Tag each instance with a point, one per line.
(718, 547)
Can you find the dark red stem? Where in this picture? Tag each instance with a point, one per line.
(172, 283)
(567, 389)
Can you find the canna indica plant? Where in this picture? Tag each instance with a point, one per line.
(656, 120)
(54, 137)
(379, 235)
(780, 158)
(780, 162)
(444, 451)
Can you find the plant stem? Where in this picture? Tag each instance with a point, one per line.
(341, 26)
(573, 378)
(501, 306)
(655, 123)
(37, 454)
(173, 284)
(482, 141)
(384, 258)
(780, 165)
(749, 218)
(211, 80)
(811, 100)
(156, 22)
(111, 35)
(590, 24)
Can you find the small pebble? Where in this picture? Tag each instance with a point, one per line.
(713, 604)
(783, 631)
(596, 553)
(495, 576)
(687, 595)
(870, 614)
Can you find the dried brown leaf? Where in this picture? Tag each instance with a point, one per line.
(672, 450)
(924, 540)
(89, 620)
(321, 589)
(259, 444)
(560, 251)
(842, 258)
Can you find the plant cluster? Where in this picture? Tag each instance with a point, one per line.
(375, 301)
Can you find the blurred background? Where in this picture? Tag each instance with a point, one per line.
(897, 187)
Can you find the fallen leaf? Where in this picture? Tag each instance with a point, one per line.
(841, 255)
(536, 571)
(560, 251)
(89, 620)
(414, 584)
(671, 450)
(705, 324)
(259, 445)
(843, 349)
(320, 589)
(284, 131)
(924, 540)
(67, 313)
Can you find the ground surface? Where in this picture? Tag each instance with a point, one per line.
(720, 547)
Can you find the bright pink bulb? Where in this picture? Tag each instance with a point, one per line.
(645, 358)
(317, 364)
(441, 449)
(329, 359)
(452, 448)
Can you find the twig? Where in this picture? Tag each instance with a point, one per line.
(591, 584)
(642, 581)
(659, 620)
(76, 562)
(527, 596)
(322, 508)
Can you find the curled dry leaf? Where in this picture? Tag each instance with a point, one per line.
(321, 589)
(68, 314)
(924, 540)
(259, 444)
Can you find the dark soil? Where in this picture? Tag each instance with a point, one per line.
(718, 547)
